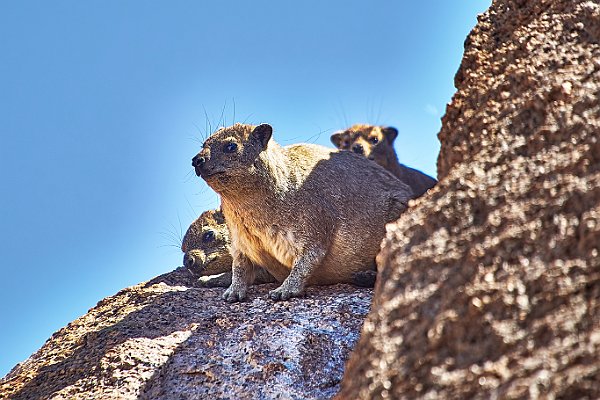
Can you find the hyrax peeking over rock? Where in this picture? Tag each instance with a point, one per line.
(206, 247)
(307, 214)
(377, 144)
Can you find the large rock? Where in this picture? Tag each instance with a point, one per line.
(167, 339)
(490, 285)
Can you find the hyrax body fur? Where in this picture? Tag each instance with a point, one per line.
(307, 214)
(377, 144)
(206, 248)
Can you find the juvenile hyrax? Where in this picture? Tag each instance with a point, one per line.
(377, 144)
(206, 247)
(307, 214)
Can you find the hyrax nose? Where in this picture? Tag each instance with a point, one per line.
(357, 148)
(198, 161)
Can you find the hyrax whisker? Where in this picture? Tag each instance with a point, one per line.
(378, 118)
(247, 118)
(233, 121)
(210, 129)
(222, 115)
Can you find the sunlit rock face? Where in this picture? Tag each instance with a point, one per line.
(490, 284)
(170, 339)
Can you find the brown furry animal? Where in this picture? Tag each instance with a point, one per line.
(307, 214)
(377, 144)
(206, 251)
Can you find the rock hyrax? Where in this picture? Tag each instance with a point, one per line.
(307, 214)
(377, 144)
(206, 247)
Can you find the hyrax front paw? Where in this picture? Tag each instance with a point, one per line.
(284, 292)
(234, 294)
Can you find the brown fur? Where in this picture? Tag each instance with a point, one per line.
(377, 144)
(206, 247)
(288, 210)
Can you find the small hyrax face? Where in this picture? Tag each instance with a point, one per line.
(374, 142)
(206, 245)
(230, 153)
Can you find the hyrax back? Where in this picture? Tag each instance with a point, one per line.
(206, 248)
(297, 210)
(377, 144)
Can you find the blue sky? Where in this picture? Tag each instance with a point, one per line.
(102, 106)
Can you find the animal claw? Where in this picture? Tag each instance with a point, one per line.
(233, 295)
(282, 293)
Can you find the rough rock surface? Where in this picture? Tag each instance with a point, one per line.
(167, 339)
(490, 285)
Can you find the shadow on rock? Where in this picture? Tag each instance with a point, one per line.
(161, 341)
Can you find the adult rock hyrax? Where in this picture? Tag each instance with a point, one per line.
(377, 144)
(206, 248)
(297, 210)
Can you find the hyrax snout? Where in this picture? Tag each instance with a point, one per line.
(377, 144)
(194, 258)
(297, 210)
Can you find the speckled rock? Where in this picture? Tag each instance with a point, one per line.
(166, 339)
(490, 284)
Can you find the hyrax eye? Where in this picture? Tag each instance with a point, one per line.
(374, 140)
(230, 147)
(208, 236)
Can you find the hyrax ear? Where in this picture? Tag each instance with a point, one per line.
(390, 133)
(336, 138)
(262, 133)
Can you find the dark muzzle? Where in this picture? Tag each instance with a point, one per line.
(198, 163)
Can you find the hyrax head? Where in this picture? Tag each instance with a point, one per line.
(374, 142)
(229, 154)
(206, 245)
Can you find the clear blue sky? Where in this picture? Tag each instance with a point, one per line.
(102, 108)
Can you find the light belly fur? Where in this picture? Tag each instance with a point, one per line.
(272, 249)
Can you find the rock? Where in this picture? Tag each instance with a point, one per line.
(490, 284)
(167, 339)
